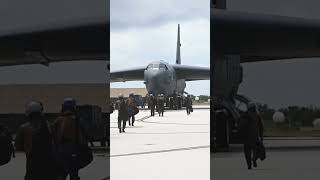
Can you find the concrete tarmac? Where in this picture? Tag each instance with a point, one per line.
(175, 146)
(97, 170)
(286, 159)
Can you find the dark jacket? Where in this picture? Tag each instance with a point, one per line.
(152, 102)
(188, 102)
(251, 127)
(123, 110)
(31, 134)
(160, 103)
(35, 139)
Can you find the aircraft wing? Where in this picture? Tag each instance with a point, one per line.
(134, 74)
(257, 37)
(41, 32)
(192, 73)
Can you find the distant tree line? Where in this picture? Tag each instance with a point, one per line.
(295, 115)
(202, 98)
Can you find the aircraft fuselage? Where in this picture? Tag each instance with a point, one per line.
(161, 78)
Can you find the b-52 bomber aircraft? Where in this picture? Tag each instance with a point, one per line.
(239, 37)
(164, 78)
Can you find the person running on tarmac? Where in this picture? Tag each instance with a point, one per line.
(35, 138)
(122, 114)
(160, 104)
(251, 129)
(188, 104)
(152, 104)
(132, 105)
(69, 134)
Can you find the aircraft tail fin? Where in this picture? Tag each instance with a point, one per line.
(178, 55)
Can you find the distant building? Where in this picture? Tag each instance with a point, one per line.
(114, 92)
(13, 98)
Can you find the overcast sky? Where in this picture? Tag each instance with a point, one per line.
(143, 31)
(282, 83)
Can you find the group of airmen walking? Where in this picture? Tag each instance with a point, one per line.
(55, 149)
(156, 103)
(127, 109)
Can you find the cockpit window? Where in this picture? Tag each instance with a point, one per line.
(157, 66)
(163, 66)
(150, 66)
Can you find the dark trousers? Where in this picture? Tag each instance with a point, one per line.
(160, 111)
(121, 124)
(73, 175)
(188, 110)
(133, 119)
(250, 152)
(37, 171)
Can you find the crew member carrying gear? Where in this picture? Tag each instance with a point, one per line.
(72, 151)
(160, 104)
(152, 104)
(251, 131)
(35, 138)
(122, 114)
(188, 104)
(132, 109)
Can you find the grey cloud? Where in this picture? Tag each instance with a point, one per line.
(146, 13)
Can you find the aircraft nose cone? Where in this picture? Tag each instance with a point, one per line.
(154, 75)
(156, 81)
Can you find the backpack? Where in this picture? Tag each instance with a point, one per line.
(131, 108)
(73, 155)
(7, 150)
(261, 150)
